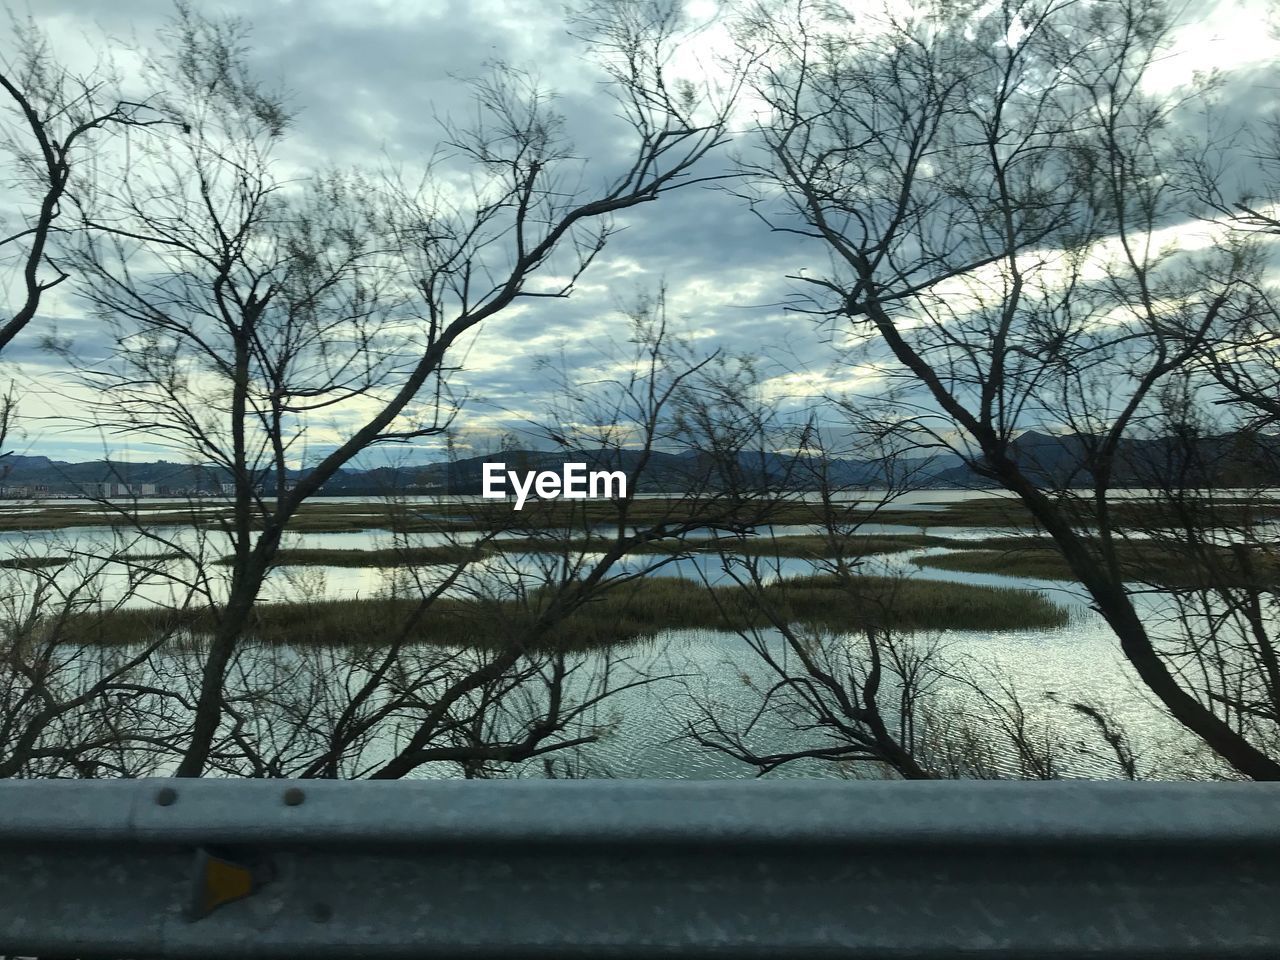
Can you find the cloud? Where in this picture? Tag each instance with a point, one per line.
(370, 81)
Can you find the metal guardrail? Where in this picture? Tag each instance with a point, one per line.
(314, 869)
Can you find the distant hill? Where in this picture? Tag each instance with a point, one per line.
(658, 472)
(23, 475)
(1228, 460)
(1051, 460)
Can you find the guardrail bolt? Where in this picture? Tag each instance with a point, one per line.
(293, 797)
(321, 912)
(166, 796)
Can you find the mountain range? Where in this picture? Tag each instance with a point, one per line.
(1229, 460)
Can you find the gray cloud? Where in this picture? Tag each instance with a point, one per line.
(371, 79)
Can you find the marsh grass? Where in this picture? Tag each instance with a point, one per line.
(60, 518)
(1157, 563)
(818, 546)
(796, 545)
(42, 562)
(906, 604)
(389, 557)
(32, 563)
(634, 612)
(996, 511)
(813, 547)
(320, 516)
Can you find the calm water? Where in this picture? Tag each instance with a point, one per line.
(711, 669)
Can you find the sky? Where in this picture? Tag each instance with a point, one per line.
(369, 80)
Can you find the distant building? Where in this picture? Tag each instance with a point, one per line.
(115, 490)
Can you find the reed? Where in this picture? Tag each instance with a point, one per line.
(1161, 564)
(626, 614)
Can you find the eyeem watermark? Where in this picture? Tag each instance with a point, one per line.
(573, 482)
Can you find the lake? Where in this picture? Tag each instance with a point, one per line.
(711, 669)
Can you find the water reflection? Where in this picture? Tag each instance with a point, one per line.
(645, 726)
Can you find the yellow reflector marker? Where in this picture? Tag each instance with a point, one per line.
(218, 881)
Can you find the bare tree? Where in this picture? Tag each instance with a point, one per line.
(72, 705)
(54, 121)
(844, 671)
(991, 186)
(1234, 183)
(483, 665)
(250, 307)
(65, 708)
(1216, 579)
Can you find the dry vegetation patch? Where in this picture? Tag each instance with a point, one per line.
(1157, 563)
(629, 613)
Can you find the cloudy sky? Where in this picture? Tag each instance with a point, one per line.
(369, 79)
